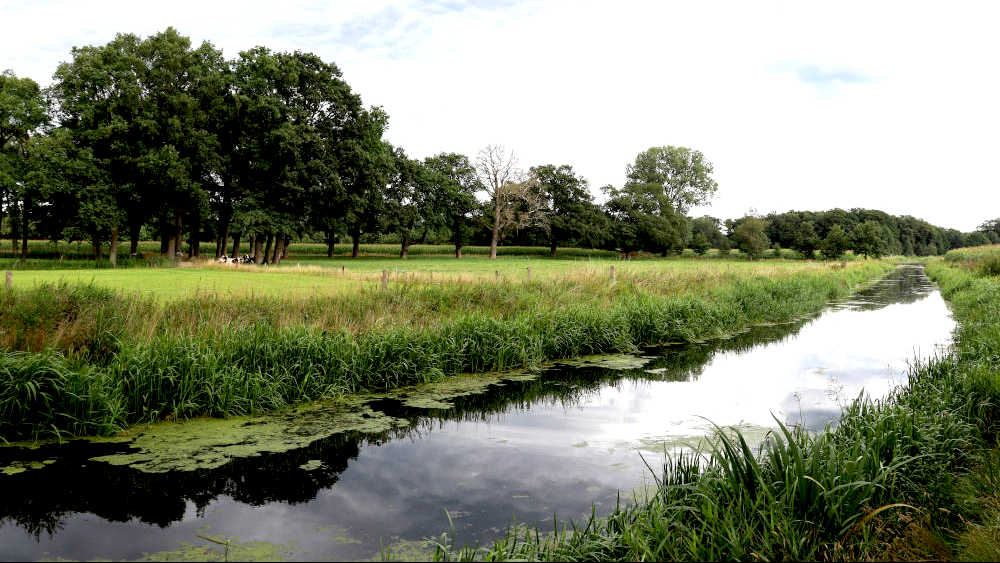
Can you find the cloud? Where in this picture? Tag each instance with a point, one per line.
(792, 115)
(823, 77)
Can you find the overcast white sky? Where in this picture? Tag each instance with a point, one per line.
(894, 106)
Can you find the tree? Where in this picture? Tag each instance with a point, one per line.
(23, 111)
(975, 238)
(365, 166)
(751, 237)
(411, 201)
(867, 239)
(573, 217)
(805, 240)
(699, 243)
(455, 195)
(835, 243)
(677, 177)
(497, 170)
(991, 229)
(641, 223)
(711, 229)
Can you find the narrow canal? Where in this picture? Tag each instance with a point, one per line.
(538, 444)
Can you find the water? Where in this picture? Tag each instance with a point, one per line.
(525, 449)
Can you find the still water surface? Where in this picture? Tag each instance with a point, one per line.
(522, 450)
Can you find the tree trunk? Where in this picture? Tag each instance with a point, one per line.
(236, 245)
(258, 255)
(552, 248)
(24, 231)
(178, 233)
(405, 246)
(113, 255)
(276, 258)
(164, 237)
(331, 241)
(458, 237)
(267, 248)
(15, 228)
(355, 244)
(284, 246)
(195, 236)
(496, 227)
(134, 232)
(225, 223)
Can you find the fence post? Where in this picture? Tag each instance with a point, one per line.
(385, 279)
(497, 275)
(9, 282)
(529, 274)
(341, 269)
(612, 273)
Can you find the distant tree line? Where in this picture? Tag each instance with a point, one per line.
(156, 138)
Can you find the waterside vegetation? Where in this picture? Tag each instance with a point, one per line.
(84, 359)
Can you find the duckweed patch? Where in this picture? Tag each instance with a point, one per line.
(17, 467)
(209, 443)
(236, 551)
(611, 361)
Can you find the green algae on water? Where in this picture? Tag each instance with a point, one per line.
(237, 551)
(607, 361)
(209, 443)
(439, 394)
(16, 467)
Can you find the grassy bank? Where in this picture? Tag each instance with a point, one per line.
(86, 359)
(911, 477)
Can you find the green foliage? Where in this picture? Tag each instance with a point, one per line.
(642, 221)
(674, 178)
(806, 240)
(573, 216)
(835, 243)
(699, 244)
(867, 239)
(751, 237)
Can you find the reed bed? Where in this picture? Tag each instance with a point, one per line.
(915, 476)
(85, 359)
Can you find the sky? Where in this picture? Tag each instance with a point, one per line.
(799, 105)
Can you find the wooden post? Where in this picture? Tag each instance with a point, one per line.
(529, 274)
(497, 275)
(341, 269)
(612, 273)
(9, 282)
(385, 279)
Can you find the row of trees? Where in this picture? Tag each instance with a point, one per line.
(157, 137)
(865, 231)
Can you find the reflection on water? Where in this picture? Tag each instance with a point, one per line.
(523, 449)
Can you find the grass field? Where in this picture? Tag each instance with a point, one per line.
(325, 277)
(49, 255)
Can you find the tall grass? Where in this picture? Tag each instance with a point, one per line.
(116, 360)
(888, 482)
